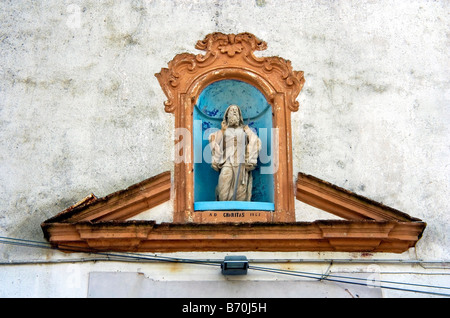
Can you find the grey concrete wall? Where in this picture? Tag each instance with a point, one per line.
(81, 110)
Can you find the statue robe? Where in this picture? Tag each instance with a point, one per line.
(234, 154)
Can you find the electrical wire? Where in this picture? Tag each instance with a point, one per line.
(140, 257)
(127, 255)
(332, 279)
(323, 276)
(278, 260)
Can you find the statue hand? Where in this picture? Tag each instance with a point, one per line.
(249, 167)
(224, 125)
(215, 166)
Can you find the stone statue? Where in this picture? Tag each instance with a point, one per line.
(234, 151)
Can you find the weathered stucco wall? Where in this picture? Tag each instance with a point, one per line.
(81, 110)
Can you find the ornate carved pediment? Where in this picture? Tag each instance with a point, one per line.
(229, 51)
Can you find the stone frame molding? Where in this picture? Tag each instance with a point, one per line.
(230, 56)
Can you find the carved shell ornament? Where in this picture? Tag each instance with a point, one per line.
(230, 43)
(228, 51)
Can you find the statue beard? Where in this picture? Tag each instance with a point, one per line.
(233, 120)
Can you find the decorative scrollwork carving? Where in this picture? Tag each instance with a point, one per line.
(231, 44)
(229, 50)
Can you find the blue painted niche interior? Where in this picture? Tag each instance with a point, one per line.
(208, 115)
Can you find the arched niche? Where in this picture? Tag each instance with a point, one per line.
(208, 115)
(230, 57)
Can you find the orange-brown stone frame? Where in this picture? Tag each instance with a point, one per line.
(230, 56)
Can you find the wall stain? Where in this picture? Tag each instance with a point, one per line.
(260, 3)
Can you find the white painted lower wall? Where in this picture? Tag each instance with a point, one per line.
(367, 278)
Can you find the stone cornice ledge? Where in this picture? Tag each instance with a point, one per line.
(147, 236)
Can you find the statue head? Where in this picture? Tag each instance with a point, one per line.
(233, 116)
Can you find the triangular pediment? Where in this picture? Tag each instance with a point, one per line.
(120, 205)
(344, 203)
(103, 224)
(145, 195)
